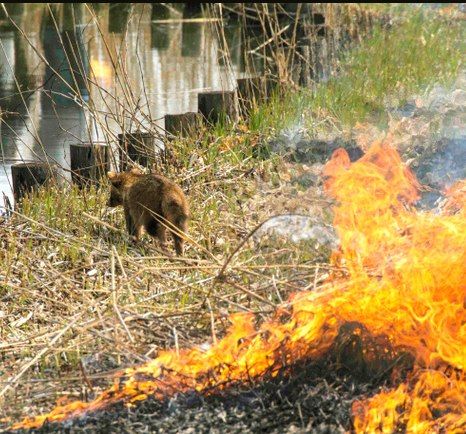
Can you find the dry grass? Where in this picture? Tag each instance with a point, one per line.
(73, 288)
(79, 300)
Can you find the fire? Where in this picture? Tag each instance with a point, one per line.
(406, 282)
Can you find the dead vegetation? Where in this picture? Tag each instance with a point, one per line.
(78, 301)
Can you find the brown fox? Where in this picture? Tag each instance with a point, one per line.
(151, 202)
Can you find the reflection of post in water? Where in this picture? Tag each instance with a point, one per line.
(74, 48)
(97, 7)
(66, 54)
(8, 50)
(7, 64)
(251, 59)
(160, 32)
(15, 11)
(191, 33)
(52, 53)
(118, 17)
(160, 11)
(14, 63)
(21, 64)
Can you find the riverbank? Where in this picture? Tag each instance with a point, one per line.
(79, 301)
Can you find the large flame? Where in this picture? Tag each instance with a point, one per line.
(407, 282)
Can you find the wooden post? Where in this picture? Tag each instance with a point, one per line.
(137, 147)
(318, 21)
(28, 177)
(218, 105)
(182, 125)
(89, 163)
(257, 88)
(248, 88)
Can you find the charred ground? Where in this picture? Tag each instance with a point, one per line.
(311, 397)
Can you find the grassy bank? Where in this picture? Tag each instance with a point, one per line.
(421, 47)
(77, 299)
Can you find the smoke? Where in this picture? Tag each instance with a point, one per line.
(439, 153)
(299, 228)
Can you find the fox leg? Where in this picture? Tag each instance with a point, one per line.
(158, 230)
(179, 245)
(130, 223)
(180, 223)
(137, 225)
(175, 214)
(162, 236)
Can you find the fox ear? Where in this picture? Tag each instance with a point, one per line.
(136, 171)
(114, 178)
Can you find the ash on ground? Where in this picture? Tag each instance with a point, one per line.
(295, 143)
(316, 397)
(429, 131)
(297, 228)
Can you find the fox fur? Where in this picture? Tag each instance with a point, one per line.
(151, 202)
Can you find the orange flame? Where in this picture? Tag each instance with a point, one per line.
(407, 282)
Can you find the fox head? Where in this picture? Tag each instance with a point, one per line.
(118, 181)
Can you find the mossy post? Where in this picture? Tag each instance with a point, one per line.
(218, 105)
(28, 177)
(137, 147)
(89, 163)
(181, 125)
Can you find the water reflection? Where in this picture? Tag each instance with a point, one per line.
(160, 31)
(127, 69)
(7, 63)
(191, 32)
(118, 17)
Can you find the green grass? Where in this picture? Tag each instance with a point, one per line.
(421, 49)
(279, 112)
(57, 261)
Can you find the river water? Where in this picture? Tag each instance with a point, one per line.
(165, 64)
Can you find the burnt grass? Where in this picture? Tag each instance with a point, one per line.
(310, 397)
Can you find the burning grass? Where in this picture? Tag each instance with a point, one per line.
(405, 282)
(78, 301)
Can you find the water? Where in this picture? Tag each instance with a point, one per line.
(166, 66)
